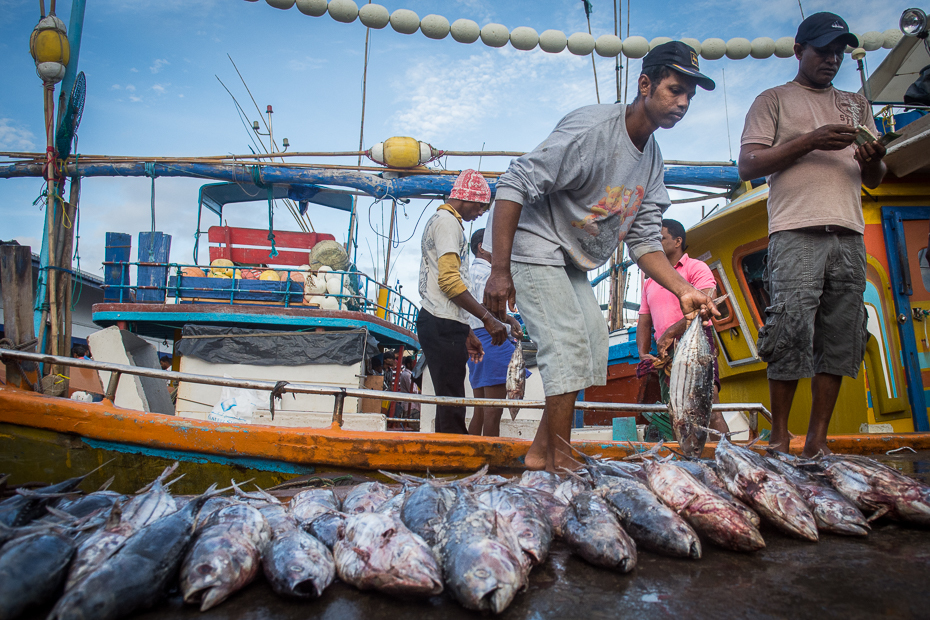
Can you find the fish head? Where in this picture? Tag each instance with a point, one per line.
(485, 575)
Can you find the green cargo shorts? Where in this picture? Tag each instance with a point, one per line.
(817, 320)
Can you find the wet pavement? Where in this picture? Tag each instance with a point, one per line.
(884, 575)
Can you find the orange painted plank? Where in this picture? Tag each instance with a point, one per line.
(330, 447)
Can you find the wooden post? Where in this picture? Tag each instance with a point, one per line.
(16, 282)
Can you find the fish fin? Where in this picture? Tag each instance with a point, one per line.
(161, 477)
(106, 485)
(168, 484)
(881, 512)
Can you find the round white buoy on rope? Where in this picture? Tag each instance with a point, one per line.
(374, 16)
(524, 38)
(713, 49)
(784, 47)
(658, 41)
(465, 31)
(693, 44)
(763, 47)
(738, 48)
(281, 4)
(434, 26)
(608, 45)
(552, 41)
(635, 47)
(495, 35)
(872, 40)
(892, 36)
(581, 43)
(405, 21)
(344, 11)
(313, 8)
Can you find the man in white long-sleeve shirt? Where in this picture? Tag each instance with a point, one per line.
(563, 209)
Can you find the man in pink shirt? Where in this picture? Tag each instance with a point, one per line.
(660, 309)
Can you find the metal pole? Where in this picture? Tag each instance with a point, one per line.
(337, 408)
(390, 240)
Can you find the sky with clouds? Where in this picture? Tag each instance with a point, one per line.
(153, 74)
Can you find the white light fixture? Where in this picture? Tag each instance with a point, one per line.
(914, 23)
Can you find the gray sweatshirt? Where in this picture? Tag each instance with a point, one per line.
(585, 189)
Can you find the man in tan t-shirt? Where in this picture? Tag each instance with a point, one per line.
(801, 136)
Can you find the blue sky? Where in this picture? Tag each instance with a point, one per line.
(151, 72)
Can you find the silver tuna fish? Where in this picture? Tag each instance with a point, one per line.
(691, 389)
(516, 377)
(879, 489)
(480, 556)
(366, 497)
(226, 555)
(712, 481)
(378, 552)
(308, 505)
(137, 575)
(772, 495)
(298, 565)
(526, 517)
(328, 528)
(833, 512)
(594, 533)
(544, 480)
(711, 515)
(32, 569)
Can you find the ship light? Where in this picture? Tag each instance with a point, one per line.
(914, 23)
(402, 152)
(49, 47)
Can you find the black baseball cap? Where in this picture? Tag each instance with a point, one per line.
(680, 57)
(821, 29)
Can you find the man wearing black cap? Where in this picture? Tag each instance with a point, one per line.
(563, 209)
(802, 136)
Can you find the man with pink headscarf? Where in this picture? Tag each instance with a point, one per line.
(442, 324)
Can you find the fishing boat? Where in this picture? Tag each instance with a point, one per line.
(45, 437)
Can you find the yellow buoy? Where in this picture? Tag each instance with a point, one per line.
(221, 268)
(269, 274)
(402, 152)
(49, 47)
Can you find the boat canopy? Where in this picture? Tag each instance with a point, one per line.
(214, 196)
(898, 71)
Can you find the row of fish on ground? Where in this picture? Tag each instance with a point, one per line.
(105, 555)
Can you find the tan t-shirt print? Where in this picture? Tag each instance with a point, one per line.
(823, 187)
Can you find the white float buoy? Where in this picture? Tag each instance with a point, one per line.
(763, 47)
(281, 4)
(713, 49)
(552, 41)
(524, 38)
(465, 31)
(738, 48)
(344, 11)
(608, 45)
(434, 26)
(872, 40)
(313, 8)
(635, 47)
(495, 35)
(374, 16)
(658, 41)
(581, 43)
(892, 36)
(692, 43)
(405, 21)
(784, 47)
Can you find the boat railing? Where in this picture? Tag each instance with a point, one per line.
(340, 393)
(357, 291)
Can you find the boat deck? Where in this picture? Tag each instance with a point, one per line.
(161, 320)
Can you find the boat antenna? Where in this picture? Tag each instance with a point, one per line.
(243, 117)
(802, 9)
(587, 13)
(726, 110)
(626, 80)
(353, 225)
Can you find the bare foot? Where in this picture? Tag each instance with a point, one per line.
(812, 450)
(535, 458)
(563, 461)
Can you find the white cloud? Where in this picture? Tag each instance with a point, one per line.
(160, 88)
(307, 62)
(135, 99)
(115, 87)
(14, 138)
(134, 70)
(158, 64)
(131, 88)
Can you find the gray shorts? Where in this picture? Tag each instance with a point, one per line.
(817, 320)
(564, 319)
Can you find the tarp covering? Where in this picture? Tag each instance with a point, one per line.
(262, 347)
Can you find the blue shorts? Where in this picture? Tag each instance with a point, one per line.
(492, 370)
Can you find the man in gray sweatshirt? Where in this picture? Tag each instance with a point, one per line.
(562, 210)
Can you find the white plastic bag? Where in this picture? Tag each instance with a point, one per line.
(237, 405)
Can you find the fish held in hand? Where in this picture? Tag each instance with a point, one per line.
(691, 389)
(378, 552)
(711, 515)
(593, 532)
(516, 377)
